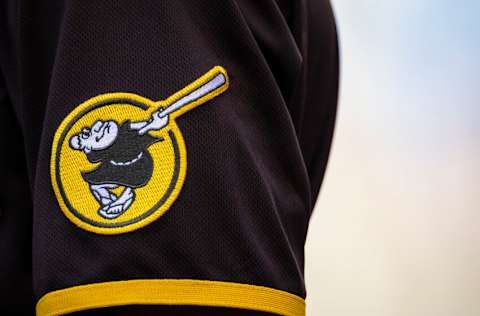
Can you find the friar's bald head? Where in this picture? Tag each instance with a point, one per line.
(99, 136)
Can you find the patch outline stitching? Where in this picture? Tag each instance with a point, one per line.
(179, 148)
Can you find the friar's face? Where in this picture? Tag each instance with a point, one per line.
(97, 137)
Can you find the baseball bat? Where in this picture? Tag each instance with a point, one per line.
(216, 82)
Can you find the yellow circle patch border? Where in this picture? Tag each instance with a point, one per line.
(180, 165)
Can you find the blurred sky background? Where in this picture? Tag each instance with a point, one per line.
(396, 230)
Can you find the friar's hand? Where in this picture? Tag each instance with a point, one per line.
(156, 122)
(159, 121)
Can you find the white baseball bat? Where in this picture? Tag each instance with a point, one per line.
(214, 83)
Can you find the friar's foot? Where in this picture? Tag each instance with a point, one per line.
(102, 193)
(119, 206)
(111, 212)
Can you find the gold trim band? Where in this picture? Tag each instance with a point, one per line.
(170, 292)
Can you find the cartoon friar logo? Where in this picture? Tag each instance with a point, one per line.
(119, 160)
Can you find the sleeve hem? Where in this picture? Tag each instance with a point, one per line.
(170, 292)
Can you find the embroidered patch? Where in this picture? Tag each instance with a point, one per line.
(119, 160)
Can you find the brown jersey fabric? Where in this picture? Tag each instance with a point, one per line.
(215, 223)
